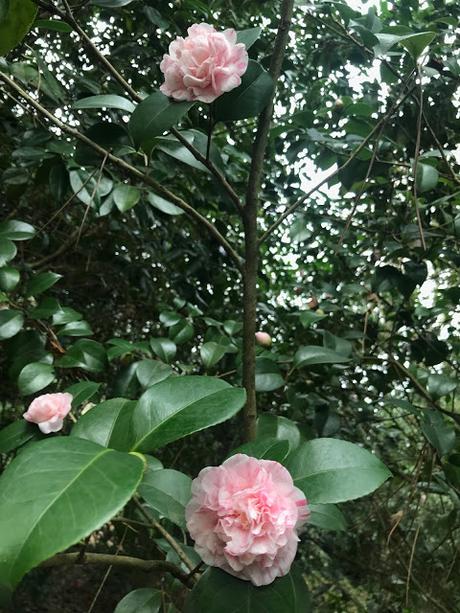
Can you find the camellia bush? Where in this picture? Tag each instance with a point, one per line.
(218, 219)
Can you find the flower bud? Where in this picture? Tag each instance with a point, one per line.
(263, 339)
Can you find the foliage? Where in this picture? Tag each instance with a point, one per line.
(113, 290)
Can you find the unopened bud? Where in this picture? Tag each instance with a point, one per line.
(264, 339)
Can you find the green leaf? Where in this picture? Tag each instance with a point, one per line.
(438, 432)
(82, 392)
(169, 318)
(249, 99)
(76, 328)
(167, 491)
(111, 4)
(106, 101)
(53, 24)
(248, 37)
(417, 43)
(268, 375)
(8, 251)
(331, 470)
(150, 372)
(14, 230)
(126, 196)
(41, 282)
(414, 43)
(10, 323)
(16, 434)
(219, 592)
(86, 354)
(66, 315)
(281, 428)
(180, 406)
(211, 353)
(438, 385)
(9, 278)
(107, 424)
(142, 600)
(307, 318)
(181, 332)
(265, 449)
(154, 116)
(426, 177)
(34, 377)
(16, 18)
(55, 493)
(164, 348)
(327, 517)
(312, 354)
(89, 189)
(163, 205)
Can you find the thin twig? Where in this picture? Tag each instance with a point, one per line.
(416, 157)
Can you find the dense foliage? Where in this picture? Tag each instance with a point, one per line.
(114, 291)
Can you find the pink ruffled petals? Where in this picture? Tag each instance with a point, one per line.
(244, 516)
(48, 411)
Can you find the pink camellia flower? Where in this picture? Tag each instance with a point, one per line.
(204, 65)
(264, 339)
(244, 516)
(48, 411)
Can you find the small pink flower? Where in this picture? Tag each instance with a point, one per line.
(48, 411)
(244, 516)
(204, 65)
(264, 339)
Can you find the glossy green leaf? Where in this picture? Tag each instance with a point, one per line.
(14, 230)
(9, 278)
(153, 116)
(249, 99)
(17, 434)
(53, 24)
(107, 424)
(211, 353)
(265, 449)
(55, 493)
(76, 328)
(219, 592)
(10, 323)
(167, 491)
(426, 177)
(41, 282)
(181, 332)
(438, 432)
(86, 354)
(330, 470)
(163, 205)
(35, 377)
(82, 392)
(150, 372)
(111, 4)
(87, 188)
(126, 196)
(16, 18)
(142, 600)
(106, 101)
(180, 406)
(279, 427)
(327, 517)
(312, 354)
(438, 385)
(268, 375)
(8, 251)
(248, 37)
(164, 348)
(66, 315)
(417, 43)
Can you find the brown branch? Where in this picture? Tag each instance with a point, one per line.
(250, 227)
(131, 170)
(66, 559)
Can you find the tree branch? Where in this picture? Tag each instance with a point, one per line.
(66, 559)
(250, 227)
(131, 170)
